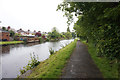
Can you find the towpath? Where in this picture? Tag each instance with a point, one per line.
(80, 64)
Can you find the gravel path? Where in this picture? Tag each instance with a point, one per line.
(81, 64)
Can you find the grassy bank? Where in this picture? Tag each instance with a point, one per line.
(108, 68)
(10, 42)
(52, 67)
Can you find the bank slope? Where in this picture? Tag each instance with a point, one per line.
(52, 67)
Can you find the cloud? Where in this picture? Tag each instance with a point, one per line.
(32, 14)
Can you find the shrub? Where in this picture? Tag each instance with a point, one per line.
(47, 39)
(22, 71)
(51, 51)
(32, 63)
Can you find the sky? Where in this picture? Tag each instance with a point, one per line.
(39, 15)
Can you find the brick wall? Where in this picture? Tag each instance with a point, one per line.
(4, 36)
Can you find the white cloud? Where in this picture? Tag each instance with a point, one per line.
(32, 14)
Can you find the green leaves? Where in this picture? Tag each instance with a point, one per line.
(99, 23)
(51, 51)
(31, 64)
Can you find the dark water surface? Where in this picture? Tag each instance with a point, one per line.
(17, 56)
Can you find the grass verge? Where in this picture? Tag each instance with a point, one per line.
(108, 68)
(52, 67)
(10, 42)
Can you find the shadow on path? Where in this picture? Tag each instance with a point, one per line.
(81, 64)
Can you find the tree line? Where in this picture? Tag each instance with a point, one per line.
(98, 23)
(54, 35)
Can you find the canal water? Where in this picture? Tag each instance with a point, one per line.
(15, 57)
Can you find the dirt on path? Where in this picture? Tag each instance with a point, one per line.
(81, 64)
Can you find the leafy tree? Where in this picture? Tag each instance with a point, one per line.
(20, 29)
(28, 31)
(54, 34)
(73, 34)
(98, 23)
(12, 33)
(4, 28)
(62, 36)
(38, 34)
(8, 28)
(68, 35)
(68, 29)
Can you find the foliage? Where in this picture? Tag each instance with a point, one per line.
(68, 29)
(4, 28)
(73, 34)
(47, 39)
(54, 34)
(51, 51)
(12, 33)
(38, 34)
(40, 39)
(32, 63)
(52, 67)
(63, 36)
(97, 23)
(68, 35)
(108, 68)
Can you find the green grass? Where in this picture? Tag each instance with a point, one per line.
(10, 42)
(108, 70)
(52, 67)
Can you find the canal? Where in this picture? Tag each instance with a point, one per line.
(15, 57)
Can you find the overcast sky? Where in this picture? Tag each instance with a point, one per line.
(32, 14)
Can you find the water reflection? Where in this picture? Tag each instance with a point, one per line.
(31, 44)
(18, 55)
(5, 49)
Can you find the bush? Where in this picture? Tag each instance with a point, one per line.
(51, 51)
(32, 63)
(22, 71)
(47, 39)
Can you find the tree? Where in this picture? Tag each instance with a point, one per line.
(98, 23)
(54, 34)
(20, 29)
(63, 36)
(68, 29)
(38, 34)
(8, 28)
(73, 34)
(68, 35)
(28, 31)
(4, 28)
(12, 33)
